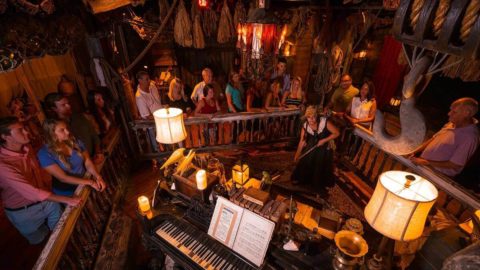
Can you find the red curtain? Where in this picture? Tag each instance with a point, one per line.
(388, 73)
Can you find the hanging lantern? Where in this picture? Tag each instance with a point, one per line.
(257, 40)
(240, 173)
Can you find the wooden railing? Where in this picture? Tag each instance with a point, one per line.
(363, 161)
(221, 131)
(76, 239)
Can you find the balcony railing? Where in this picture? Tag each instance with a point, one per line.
(76, 239)
(75, 242)
(222, 131)
(364, 161)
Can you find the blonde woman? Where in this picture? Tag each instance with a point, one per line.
(314, 154)
(67, 160)
(295, 97)
(176, 94)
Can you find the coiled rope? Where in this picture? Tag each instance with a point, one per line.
(471, 15)
(469, 19)
(440, 16)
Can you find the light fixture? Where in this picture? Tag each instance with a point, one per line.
(143, 204)
(169, 125)
(395, 101)
(259, 38)
(360, 55)
(398, 208)
(240, 174)
(202, 3)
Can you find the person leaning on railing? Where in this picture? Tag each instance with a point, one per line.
(234, 93)
(208, 106)
(103, 115)
(450, 149)
(256, 96)
(25, 194)
(66, 159)
(295, 97)
(363, 107)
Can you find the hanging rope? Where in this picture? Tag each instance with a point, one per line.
(154, 38)
(469, 19)
(416, 8)
(440, 16)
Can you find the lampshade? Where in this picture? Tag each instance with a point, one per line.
(169, 125)
(400, 204)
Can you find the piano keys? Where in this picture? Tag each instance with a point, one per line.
(203, 251)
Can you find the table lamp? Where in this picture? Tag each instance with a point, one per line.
(169, 125)
(170, 129)
(398, 209)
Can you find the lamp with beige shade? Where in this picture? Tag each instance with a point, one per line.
(398, 209)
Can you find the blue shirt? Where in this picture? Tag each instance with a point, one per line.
(236, 97)
(77, 167)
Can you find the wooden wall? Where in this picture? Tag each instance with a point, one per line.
(37, 77)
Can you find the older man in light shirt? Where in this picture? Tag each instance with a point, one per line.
(449, 150)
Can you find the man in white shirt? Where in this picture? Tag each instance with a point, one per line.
(197, 93)
(147, 97)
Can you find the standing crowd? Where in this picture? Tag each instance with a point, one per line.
(38, 178)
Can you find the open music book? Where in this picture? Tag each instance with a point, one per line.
(242, 230)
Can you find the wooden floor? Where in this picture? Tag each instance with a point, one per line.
(15, 251)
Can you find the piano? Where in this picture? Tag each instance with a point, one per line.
(192, 248)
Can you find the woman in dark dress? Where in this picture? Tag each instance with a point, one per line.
(315, 168)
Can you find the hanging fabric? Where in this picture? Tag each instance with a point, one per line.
(183, 27)
(198, 39)
(225, 29)
(388, 73)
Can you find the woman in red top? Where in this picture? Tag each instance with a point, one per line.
(208, 106)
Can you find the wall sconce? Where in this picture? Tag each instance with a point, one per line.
(169, 125)
(240, 173)
(398, 209)
(360, 55)
(395, 101)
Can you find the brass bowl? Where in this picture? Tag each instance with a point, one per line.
(351, 244)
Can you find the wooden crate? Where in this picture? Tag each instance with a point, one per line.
(186, 185)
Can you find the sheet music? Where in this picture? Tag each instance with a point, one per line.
(241, 230)
(253, 237)
(225, 221)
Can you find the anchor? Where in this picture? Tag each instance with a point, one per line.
(430, 33)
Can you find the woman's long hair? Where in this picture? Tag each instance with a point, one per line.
(171, 88)
(97, 112)
(54, 145)
(206, 88)
(230, 79)
(371, 90)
